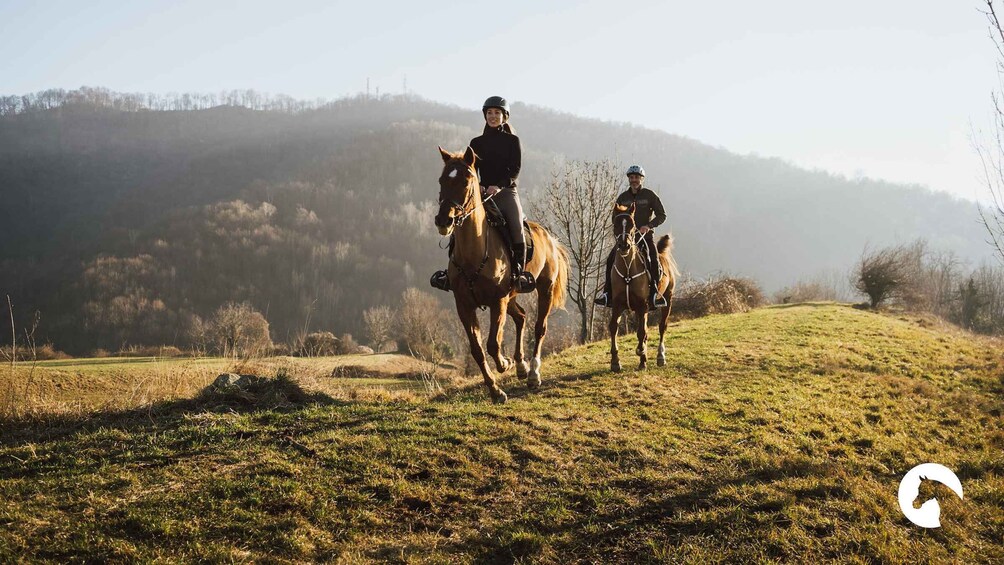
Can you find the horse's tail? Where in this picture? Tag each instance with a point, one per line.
(561, 280)
(665, 245)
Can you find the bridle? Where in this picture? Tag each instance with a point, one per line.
(461, 211)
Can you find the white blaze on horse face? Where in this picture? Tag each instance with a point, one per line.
(453, 173)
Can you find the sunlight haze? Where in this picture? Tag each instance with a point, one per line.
(888, 90)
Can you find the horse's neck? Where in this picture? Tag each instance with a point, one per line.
(471, 238)
(631, 261)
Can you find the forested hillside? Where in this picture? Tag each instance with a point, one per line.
(123, 220)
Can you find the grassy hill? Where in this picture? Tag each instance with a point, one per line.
(777, 435)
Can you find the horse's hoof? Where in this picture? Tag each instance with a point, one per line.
(500, 397)
(661, 361)
(521, 369)
(533, 383)
(504, 365)
(534, 373)
(643, 365)
(615, 366)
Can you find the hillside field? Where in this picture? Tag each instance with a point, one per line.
(92, 384)
(773, 436)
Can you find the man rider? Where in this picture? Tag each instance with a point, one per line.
(649, 214)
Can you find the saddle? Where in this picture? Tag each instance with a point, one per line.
(498, 221)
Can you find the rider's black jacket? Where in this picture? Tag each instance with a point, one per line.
(648, 208)
(499, 157)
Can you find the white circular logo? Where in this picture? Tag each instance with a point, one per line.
(929, 514)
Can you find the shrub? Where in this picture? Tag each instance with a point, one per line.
(347, 345)
(150, 351)
(726, 295)
(802, 291)
(318, 344)
(890, 273)
(44, 352)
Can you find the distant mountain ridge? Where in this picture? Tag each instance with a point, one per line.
(84, 180)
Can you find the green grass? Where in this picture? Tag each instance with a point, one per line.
(777, 435)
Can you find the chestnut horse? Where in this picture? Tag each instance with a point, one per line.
(630, 287)
(479, 272)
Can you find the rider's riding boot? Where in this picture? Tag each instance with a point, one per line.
(658, 300)
(440, 280)
(607, 296)
(523, 280)
(604, 299)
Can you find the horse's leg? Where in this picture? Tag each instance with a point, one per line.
(544, 298)
(614, 326)
(495, 336)
(641, 316)
(660, 360)
(518, 315)
(469, 318)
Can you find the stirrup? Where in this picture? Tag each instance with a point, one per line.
(658, 300)
(525, 283)
(602, 300)
(440, 280)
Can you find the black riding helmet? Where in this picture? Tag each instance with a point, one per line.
(496, 102)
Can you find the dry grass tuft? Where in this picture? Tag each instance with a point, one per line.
(725, 295)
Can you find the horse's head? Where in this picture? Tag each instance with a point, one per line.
(457, 189)
(624, 227)
(927, 490)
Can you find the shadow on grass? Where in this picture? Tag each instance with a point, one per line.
(515, 387)
(668, 515)
(279, 394)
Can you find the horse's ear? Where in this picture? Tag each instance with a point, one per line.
(620, 208)
(470, 156)
(446, 154)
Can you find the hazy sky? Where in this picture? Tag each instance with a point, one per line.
(887, 89)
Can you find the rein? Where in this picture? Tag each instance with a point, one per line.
(458, 220)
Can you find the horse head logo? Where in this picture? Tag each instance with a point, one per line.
(929, 513)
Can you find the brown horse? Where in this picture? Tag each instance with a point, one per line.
(479, 272)
(630, 285)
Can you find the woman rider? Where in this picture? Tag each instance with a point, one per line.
(498, 163)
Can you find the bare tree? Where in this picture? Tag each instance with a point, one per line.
(424, 325)
(991, 152)
(240, 330)
(576, 205)
(379, 322)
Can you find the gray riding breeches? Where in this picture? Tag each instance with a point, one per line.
(507, 200)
